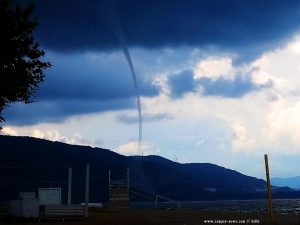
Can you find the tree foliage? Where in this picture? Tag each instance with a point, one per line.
(21, 69)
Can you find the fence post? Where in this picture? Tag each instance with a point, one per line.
(128, 178)
(70, 186)
(87, 187)
(109, 179)
(271, 217)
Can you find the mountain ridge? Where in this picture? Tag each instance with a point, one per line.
(292, 182)
(48, 161)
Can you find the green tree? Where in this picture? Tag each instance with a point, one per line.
(21, 69)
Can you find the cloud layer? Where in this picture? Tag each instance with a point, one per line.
(235, 87)
(80, 84)
(233, 25)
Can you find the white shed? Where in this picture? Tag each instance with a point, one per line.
(50, 196)
(26, 206)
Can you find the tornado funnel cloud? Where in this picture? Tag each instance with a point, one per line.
(117, 29)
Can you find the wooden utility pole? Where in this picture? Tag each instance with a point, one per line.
(271, 216)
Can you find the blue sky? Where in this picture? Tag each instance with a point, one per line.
(219, 81)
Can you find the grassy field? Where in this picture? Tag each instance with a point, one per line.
(166, 217)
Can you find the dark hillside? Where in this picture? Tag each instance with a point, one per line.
(29, 163)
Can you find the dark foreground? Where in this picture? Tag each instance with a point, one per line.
(165, 217)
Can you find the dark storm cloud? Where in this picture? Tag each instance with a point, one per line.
(184, 82)
(181, 83)
(77, 85)
(91, 77)
(80, 84)
(59, 110)
(247, 26)
(240, 86)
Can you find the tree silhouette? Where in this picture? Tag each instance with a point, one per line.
(21, 69)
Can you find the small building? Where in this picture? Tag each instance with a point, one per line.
(27, 206)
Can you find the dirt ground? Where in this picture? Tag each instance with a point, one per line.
(165, 217)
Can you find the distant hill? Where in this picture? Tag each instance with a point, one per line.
(28, 163)
(292, 182)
